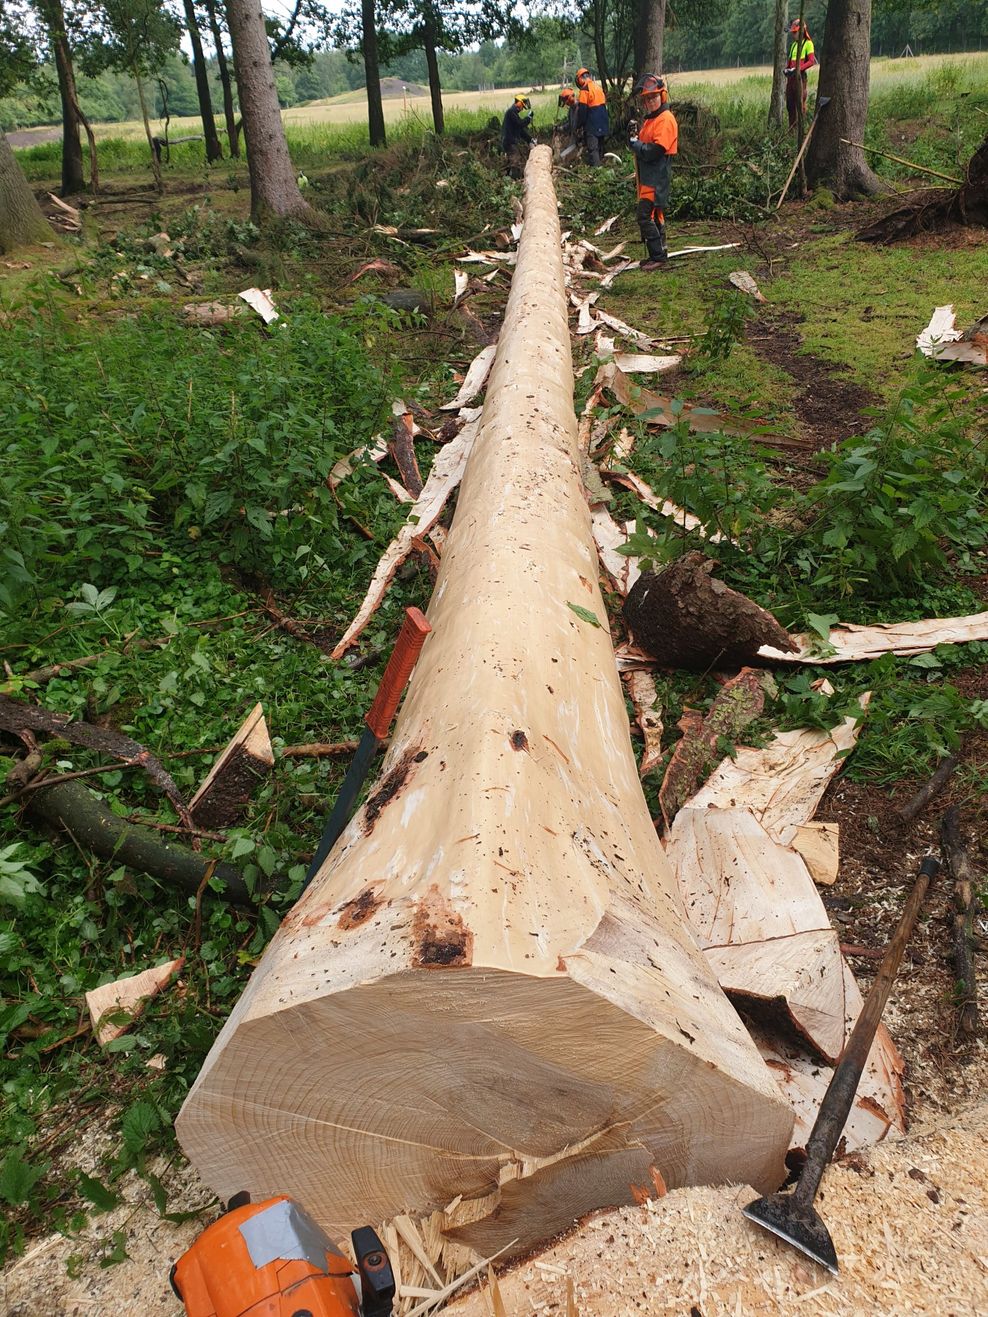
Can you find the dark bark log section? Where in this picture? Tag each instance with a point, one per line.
(685, 618)
(72, 806)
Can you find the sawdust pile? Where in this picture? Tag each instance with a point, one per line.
(909, 1220)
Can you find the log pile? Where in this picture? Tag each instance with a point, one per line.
(488, 992)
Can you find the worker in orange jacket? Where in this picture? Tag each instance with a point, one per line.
(801, 59)
(654, 143)
(591, 115)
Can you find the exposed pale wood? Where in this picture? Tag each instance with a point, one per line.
(782, 783)
(491, 968)
(474, 380)
(374, 451)
(663, 506)
(609, 535)
(648, 714)
(859, 644)
(126, 996)
(818, 844)
(743, 280)
(232, 780)
(260, 300)
(446, 473)
(758, 917)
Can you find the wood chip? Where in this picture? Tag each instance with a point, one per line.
(128, 996)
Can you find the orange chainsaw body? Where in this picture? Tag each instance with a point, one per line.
(238, 1268)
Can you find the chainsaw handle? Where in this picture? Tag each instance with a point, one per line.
(411, 638)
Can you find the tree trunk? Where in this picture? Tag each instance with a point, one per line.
(73, 178)
(153, 146)
(844, 74)
(432, 63)
(651, 43)
(21, 220)
(213, 149)
(372, 75)
(232, 128)
(599, 39)
(777, 105)
(491, 973)
(274, 193)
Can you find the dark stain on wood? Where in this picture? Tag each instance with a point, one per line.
(359, 910)
(519, 741)
(441, 939)
(390, 787)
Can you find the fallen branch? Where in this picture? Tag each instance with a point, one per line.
(959, 866)
(320, 750)
(16, 717)
(926, 793)
(94, 826)
(919, 169)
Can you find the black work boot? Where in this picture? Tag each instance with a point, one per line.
(658, 254)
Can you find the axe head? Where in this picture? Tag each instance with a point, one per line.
(799, 1225)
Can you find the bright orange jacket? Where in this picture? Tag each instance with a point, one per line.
(592, 94)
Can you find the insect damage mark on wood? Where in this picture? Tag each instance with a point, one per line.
(519, 741)
(357, 911)
(441, 939)
(390, 787)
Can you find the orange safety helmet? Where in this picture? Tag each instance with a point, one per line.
(649, 86)
(794, 27)
(566, 97)
(582, 75)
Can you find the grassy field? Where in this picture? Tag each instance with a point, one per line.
(745, 84)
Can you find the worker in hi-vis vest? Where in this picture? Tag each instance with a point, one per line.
(654, 142)
(591, 115)
(801, 58)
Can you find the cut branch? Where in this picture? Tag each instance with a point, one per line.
(962, 871)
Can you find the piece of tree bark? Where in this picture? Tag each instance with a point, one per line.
(71, 805)
(687, 618)
(213, 149)
(738, 703)
(127, 996)
(274, 192)
(962, 871)
(17, 717)
(232, 780)
(648, 715)
(319, 750)
(22, 222)
(490, 969)
(851, 643)
(402, 450)
(844, 75)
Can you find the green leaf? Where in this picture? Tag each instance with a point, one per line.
(102, 1198)
(820, 623)
(242, 846)
(18, 1178)
(584, 614)
(139, 1122)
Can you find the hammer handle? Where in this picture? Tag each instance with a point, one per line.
(414, 630)
(839, 1097)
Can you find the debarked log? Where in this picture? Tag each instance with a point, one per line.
(490, 982)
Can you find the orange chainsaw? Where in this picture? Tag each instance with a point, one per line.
(270, 1259)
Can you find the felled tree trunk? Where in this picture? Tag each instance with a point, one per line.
(685, 618)
(489, 980)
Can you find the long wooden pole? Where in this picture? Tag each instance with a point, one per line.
(489, 989)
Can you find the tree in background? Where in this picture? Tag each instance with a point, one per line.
(844, 77)
(135, 36)
(226, 82)
(650, 33)
(21, 220)
(274, 191)
(213, 149)
(52, 16)
(777, 103)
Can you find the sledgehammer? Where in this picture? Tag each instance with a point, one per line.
(792, 1216)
